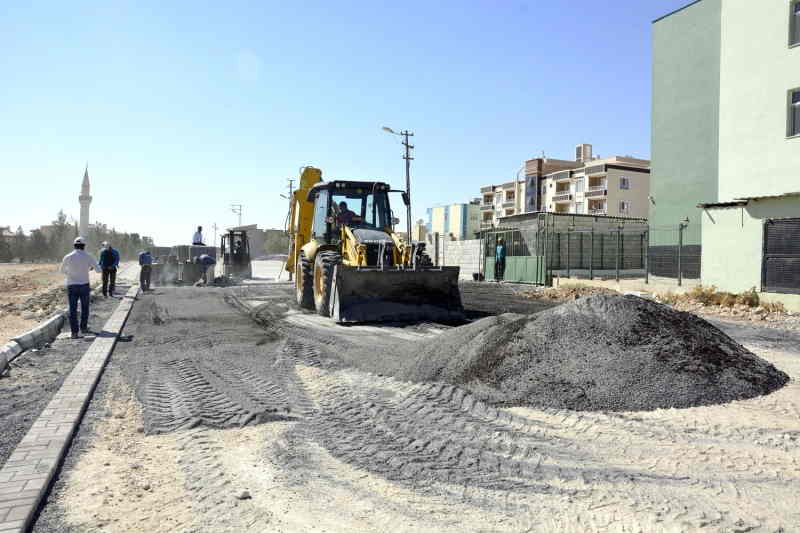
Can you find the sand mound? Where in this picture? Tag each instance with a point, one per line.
(599, 353)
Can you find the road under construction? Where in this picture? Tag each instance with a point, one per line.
(235, 409)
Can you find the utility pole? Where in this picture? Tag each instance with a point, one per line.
(290, 196)
(215, 232)
(405, 134)
(237, 209)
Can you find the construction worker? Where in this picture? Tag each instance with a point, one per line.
(197, 239)
(146, 262)
(205, 261)
(500, 260)
(109, 261)
(76, 266)
(346, 216)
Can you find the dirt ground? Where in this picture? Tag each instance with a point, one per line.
(19, 283)
(212, 421)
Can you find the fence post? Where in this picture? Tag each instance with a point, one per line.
(568, 254)
(647, 258)
(580, 250)
(602, 252)
(619, 235)
(680, 251)
(591, 256)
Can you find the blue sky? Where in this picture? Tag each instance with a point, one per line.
(182, 108)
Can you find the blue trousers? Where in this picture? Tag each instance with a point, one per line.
(75, 293)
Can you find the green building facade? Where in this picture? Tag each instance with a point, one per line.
(726, 139)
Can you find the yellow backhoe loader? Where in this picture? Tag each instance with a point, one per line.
(350, 265)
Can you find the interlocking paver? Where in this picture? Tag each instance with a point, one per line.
(26, 475)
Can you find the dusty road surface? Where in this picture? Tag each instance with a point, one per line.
(231, 410)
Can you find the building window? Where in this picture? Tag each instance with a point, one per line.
(579, 208)
(794, 112)
(624, 183)
(544, 188)
(624, 207)
(579, 185)
(794, 23)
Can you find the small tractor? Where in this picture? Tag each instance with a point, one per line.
(235, 249)
(349, 263)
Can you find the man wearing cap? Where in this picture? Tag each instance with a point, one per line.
(109, 261)
(76, 266)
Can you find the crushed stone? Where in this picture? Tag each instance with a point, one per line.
(604, 352)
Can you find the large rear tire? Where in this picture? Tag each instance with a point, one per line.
(304, 282)
(323, 280)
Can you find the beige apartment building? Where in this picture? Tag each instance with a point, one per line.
(613, 186)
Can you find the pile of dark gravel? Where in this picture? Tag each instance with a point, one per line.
(604, 352)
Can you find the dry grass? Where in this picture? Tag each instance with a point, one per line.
(567, 291)
(710, 296)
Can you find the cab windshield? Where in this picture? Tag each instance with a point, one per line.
(360, 208)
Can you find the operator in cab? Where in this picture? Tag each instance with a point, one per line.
(345, 217)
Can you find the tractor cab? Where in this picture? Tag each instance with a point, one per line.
(235, 248)
(353, 204)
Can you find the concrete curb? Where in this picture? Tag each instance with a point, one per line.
(26, 476)
(43, 333)
(8, 352)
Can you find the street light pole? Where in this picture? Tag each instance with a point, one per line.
(237, 209)
(405, 134)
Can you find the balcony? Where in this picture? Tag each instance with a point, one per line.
(487, 207)
(602, 211)
(564, 197)
(596, 192)
(509, 203)
(487, 225)
(488, 188)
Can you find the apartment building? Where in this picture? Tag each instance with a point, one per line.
(613, 186)
(455, 221)
(726, 139)
(499, 201)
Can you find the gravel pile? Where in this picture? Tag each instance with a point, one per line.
(605, 352)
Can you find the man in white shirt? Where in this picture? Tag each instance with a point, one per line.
(197, 239)
(76, 267)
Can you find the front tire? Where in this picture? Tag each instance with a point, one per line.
(323, 280)
(304, 282)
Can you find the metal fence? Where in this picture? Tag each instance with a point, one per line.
(575, 246)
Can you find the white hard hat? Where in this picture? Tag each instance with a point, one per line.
(79, 240)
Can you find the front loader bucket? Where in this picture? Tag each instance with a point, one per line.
(374, 295)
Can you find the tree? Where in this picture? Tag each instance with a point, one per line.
(38, 248)
(20, 245)
(5, 251)
(60, 237)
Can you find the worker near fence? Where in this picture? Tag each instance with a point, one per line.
(76, 266)
(500, 260)
(109, 261)
(204, 261)
(146, 262)
(197, 238)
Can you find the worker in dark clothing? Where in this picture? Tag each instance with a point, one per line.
(109, 261)
(205, 261)
(345, 217)
(146, 262)
(500, 260)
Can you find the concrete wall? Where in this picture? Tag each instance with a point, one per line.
(464, 254)
(732, 250)
(757, 71)
(685, 112)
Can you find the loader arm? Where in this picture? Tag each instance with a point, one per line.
(301, 215)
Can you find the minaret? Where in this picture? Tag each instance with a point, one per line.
(85, 199)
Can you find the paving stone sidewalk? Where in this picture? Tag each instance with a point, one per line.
(26, 476)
